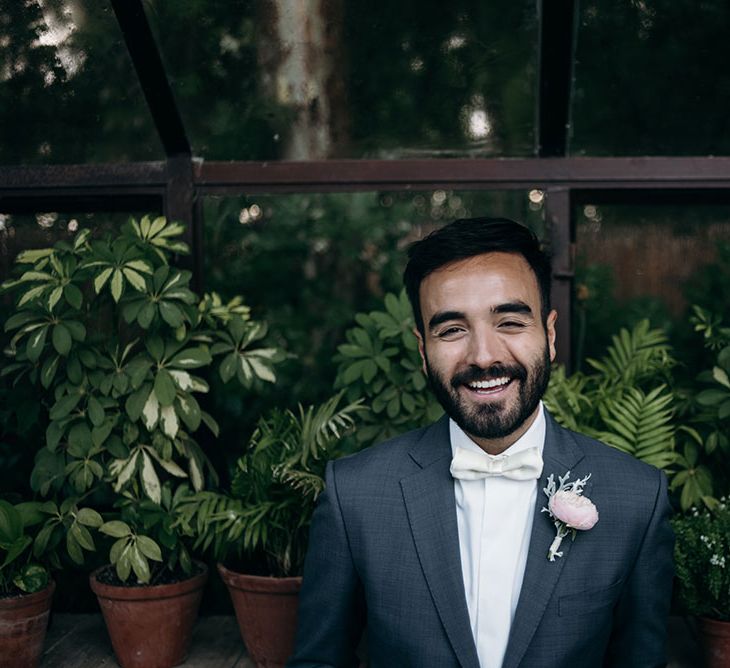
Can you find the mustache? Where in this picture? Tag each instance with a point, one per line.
(475, 373)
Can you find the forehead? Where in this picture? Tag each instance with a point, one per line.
(482, 282)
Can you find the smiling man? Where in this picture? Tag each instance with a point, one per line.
(436, 540)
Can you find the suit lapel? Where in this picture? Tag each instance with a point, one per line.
(429, 498)
(560, 454)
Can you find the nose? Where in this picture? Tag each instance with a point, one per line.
(485, 348)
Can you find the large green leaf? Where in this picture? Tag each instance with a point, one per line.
(165, 390)
(11, 525)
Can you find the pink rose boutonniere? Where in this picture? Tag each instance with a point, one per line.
(569, 509)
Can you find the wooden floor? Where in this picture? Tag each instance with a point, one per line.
(81, 641)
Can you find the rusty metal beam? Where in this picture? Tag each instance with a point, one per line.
(584, 174)
(223, 178)
(88, 177)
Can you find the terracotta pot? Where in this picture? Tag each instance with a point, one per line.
(23, 623)
(715, 642)
(150, 626)
(266, 610)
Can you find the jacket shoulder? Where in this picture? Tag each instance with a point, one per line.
(392, 459)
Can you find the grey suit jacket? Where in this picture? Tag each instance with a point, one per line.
(384, 552)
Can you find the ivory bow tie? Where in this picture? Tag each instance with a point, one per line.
(469, 465)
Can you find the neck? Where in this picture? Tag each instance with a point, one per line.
(496, 446)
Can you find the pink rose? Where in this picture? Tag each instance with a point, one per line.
(573, 509)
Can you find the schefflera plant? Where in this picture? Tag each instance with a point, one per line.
(113, 337)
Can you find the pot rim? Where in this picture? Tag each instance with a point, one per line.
(716, 623)
(146, 592)
(260, 583)
(22, 600)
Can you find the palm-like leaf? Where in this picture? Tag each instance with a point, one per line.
(641, 424)
(275, 485)
(634, 355)
(566, 398)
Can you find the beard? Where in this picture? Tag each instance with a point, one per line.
(495, 419)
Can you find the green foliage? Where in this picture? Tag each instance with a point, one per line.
(704, 464)
(701, 551)
(16, 566)
(168, 529)
(31, 537)
(274, 487)
(380, 365)
(626, 401)
(110, 335)
(632, 401)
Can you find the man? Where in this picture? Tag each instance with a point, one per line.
(436, 541)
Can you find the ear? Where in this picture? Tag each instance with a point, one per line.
(421, 349)
(550, 331)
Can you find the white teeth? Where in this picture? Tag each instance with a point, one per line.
(488, 384)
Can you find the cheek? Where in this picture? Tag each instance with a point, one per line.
(530, 353)
(443, 358)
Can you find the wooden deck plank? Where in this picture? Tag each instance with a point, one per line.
(82, 641)
(217, 644)
(78, 641)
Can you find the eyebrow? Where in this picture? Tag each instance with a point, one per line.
(507, 307)
(513, 307)
(443, 316)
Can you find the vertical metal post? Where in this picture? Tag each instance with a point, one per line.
(180, 205)
(560, 227)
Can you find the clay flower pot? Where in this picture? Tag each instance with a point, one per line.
(715, 642)
(266, 610)
(150, 626)
(23, 623)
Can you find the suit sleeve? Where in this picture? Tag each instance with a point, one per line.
(331, 606)
(639, 635)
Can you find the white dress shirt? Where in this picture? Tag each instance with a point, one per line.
(494, 517)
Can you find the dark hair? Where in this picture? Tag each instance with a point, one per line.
(467, 237)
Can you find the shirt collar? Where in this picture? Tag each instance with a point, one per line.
(534, 437)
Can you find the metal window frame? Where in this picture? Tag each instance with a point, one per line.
(177, 185)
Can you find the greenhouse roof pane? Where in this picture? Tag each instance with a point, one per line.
(276, 79)
(68, 91)
(651, 78)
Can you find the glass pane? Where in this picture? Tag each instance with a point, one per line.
(276, 79)
(307, 263)
(20, 232)
(636, 262)
(651, 78)
(68, 91)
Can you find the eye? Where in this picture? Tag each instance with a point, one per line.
(512, 324)
(449, 332)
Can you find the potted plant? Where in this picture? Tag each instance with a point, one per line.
(111, 335)
(26, 591)
(261, 527)
(30, 538)
(702, 561)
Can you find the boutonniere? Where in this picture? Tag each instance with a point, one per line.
(569, 509)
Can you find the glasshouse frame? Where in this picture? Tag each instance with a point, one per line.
(177, 185)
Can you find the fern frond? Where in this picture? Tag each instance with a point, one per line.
(641, 424)
(320, 428)
(566, 398)
(634, 355)
(309, 484)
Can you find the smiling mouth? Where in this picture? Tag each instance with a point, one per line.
(492, 386)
